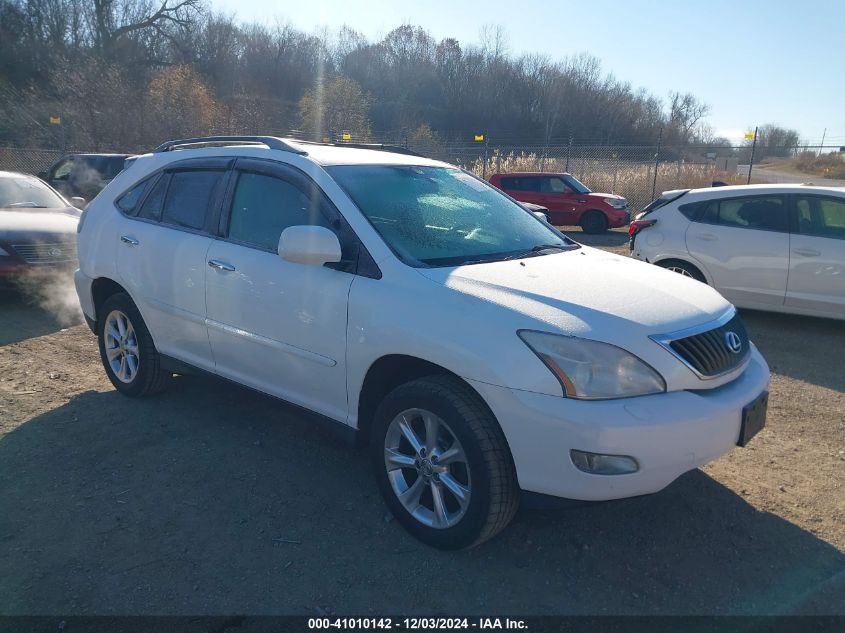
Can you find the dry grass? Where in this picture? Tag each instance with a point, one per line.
(629, 179)
(827, 165)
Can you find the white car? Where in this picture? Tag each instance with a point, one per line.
(477, 350)
(766, 247)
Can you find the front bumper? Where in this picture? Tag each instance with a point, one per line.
(668, 434)
(618, 218)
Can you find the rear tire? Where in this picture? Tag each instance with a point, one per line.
(593, 222)
(683, 268)
(129, 356)
(442, 463)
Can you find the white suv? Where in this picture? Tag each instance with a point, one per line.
(477, 350)
(768, 247)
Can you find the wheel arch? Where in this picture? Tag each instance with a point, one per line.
(101, 289)
(390, 371)
(684, 259)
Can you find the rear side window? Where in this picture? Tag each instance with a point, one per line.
(521, 184)
(190, 197)
(762, 213)
(264, 206)
(821, 216)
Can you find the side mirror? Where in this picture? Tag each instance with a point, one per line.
(542, 216)
(79, 203)
(309, 245)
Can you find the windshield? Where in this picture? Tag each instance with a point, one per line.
(576, 185)
(440, 216)
(27, 192)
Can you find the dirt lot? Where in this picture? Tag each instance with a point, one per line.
(212, 499)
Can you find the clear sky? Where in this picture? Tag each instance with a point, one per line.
(752, 61)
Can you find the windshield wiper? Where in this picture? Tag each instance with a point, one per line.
(25, 205)
(538, 249)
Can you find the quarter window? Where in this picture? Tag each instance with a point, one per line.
(151, 209)
(128, 202)
(823, 217)
(190, 197)
(264, 206)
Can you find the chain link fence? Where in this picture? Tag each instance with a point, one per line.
(638, 172)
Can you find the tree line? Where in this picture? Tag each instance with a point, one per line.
(126, 74)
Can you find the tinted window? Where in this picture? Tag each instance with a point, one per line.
(765, 213)
(190, 197)
(521, 184)
(691, 210)
(824, 217)
(264, 206)
(128, 202)
(107, 166)
(151, 209)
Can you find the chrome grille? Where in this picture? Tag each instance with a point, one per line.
(713, 351)
(46, 252)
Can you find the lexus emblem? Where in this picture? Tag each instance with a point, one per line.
(54, 252)
(733, 342)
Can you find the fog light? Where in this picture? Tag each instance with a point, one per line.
(597, 464)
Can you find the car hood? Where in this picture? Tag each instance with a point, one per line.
(31, 223)
(590, 293)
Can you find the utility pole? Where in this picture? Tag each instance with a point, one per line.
(751, 161)
(822, 144)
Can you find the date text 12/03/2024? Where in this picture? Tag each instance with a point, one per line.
(413, 624)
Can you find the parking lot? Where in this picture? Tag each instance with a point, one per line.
(213, 499)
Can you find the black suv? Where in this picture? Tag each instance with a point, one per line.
(83, 175)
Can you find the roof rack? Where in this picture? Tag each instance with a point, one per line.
(380, 147)
(272, 142)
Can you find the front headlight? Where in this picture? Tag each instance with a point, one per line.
(4, 252)
(591, 370)
(617, 203)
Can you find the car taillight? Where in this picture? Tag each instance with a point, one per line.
(638, 225)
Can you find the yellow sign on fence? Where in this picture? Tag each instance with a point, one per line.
(749, 135)
(55, 120)
(479, 137)
(346, 136)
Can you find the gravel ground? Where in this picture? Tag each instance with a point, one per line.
(212, 499)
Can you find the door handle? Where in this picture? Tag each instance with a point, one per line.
(806, 252)
(707, 237)
(129, 240)
(217, 264)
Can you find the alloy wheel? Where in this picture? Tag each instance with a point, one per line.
(121, 346)
(427, 468)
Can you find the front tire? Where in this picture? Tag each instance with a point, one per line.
(442, 463)
(594, 222)
(131, 361)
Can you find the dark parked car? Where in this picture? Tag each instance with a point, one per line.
(570, 202)
(83, 175)
(37, 228)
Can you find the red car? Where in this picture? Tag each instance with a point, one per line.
(569, 201)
